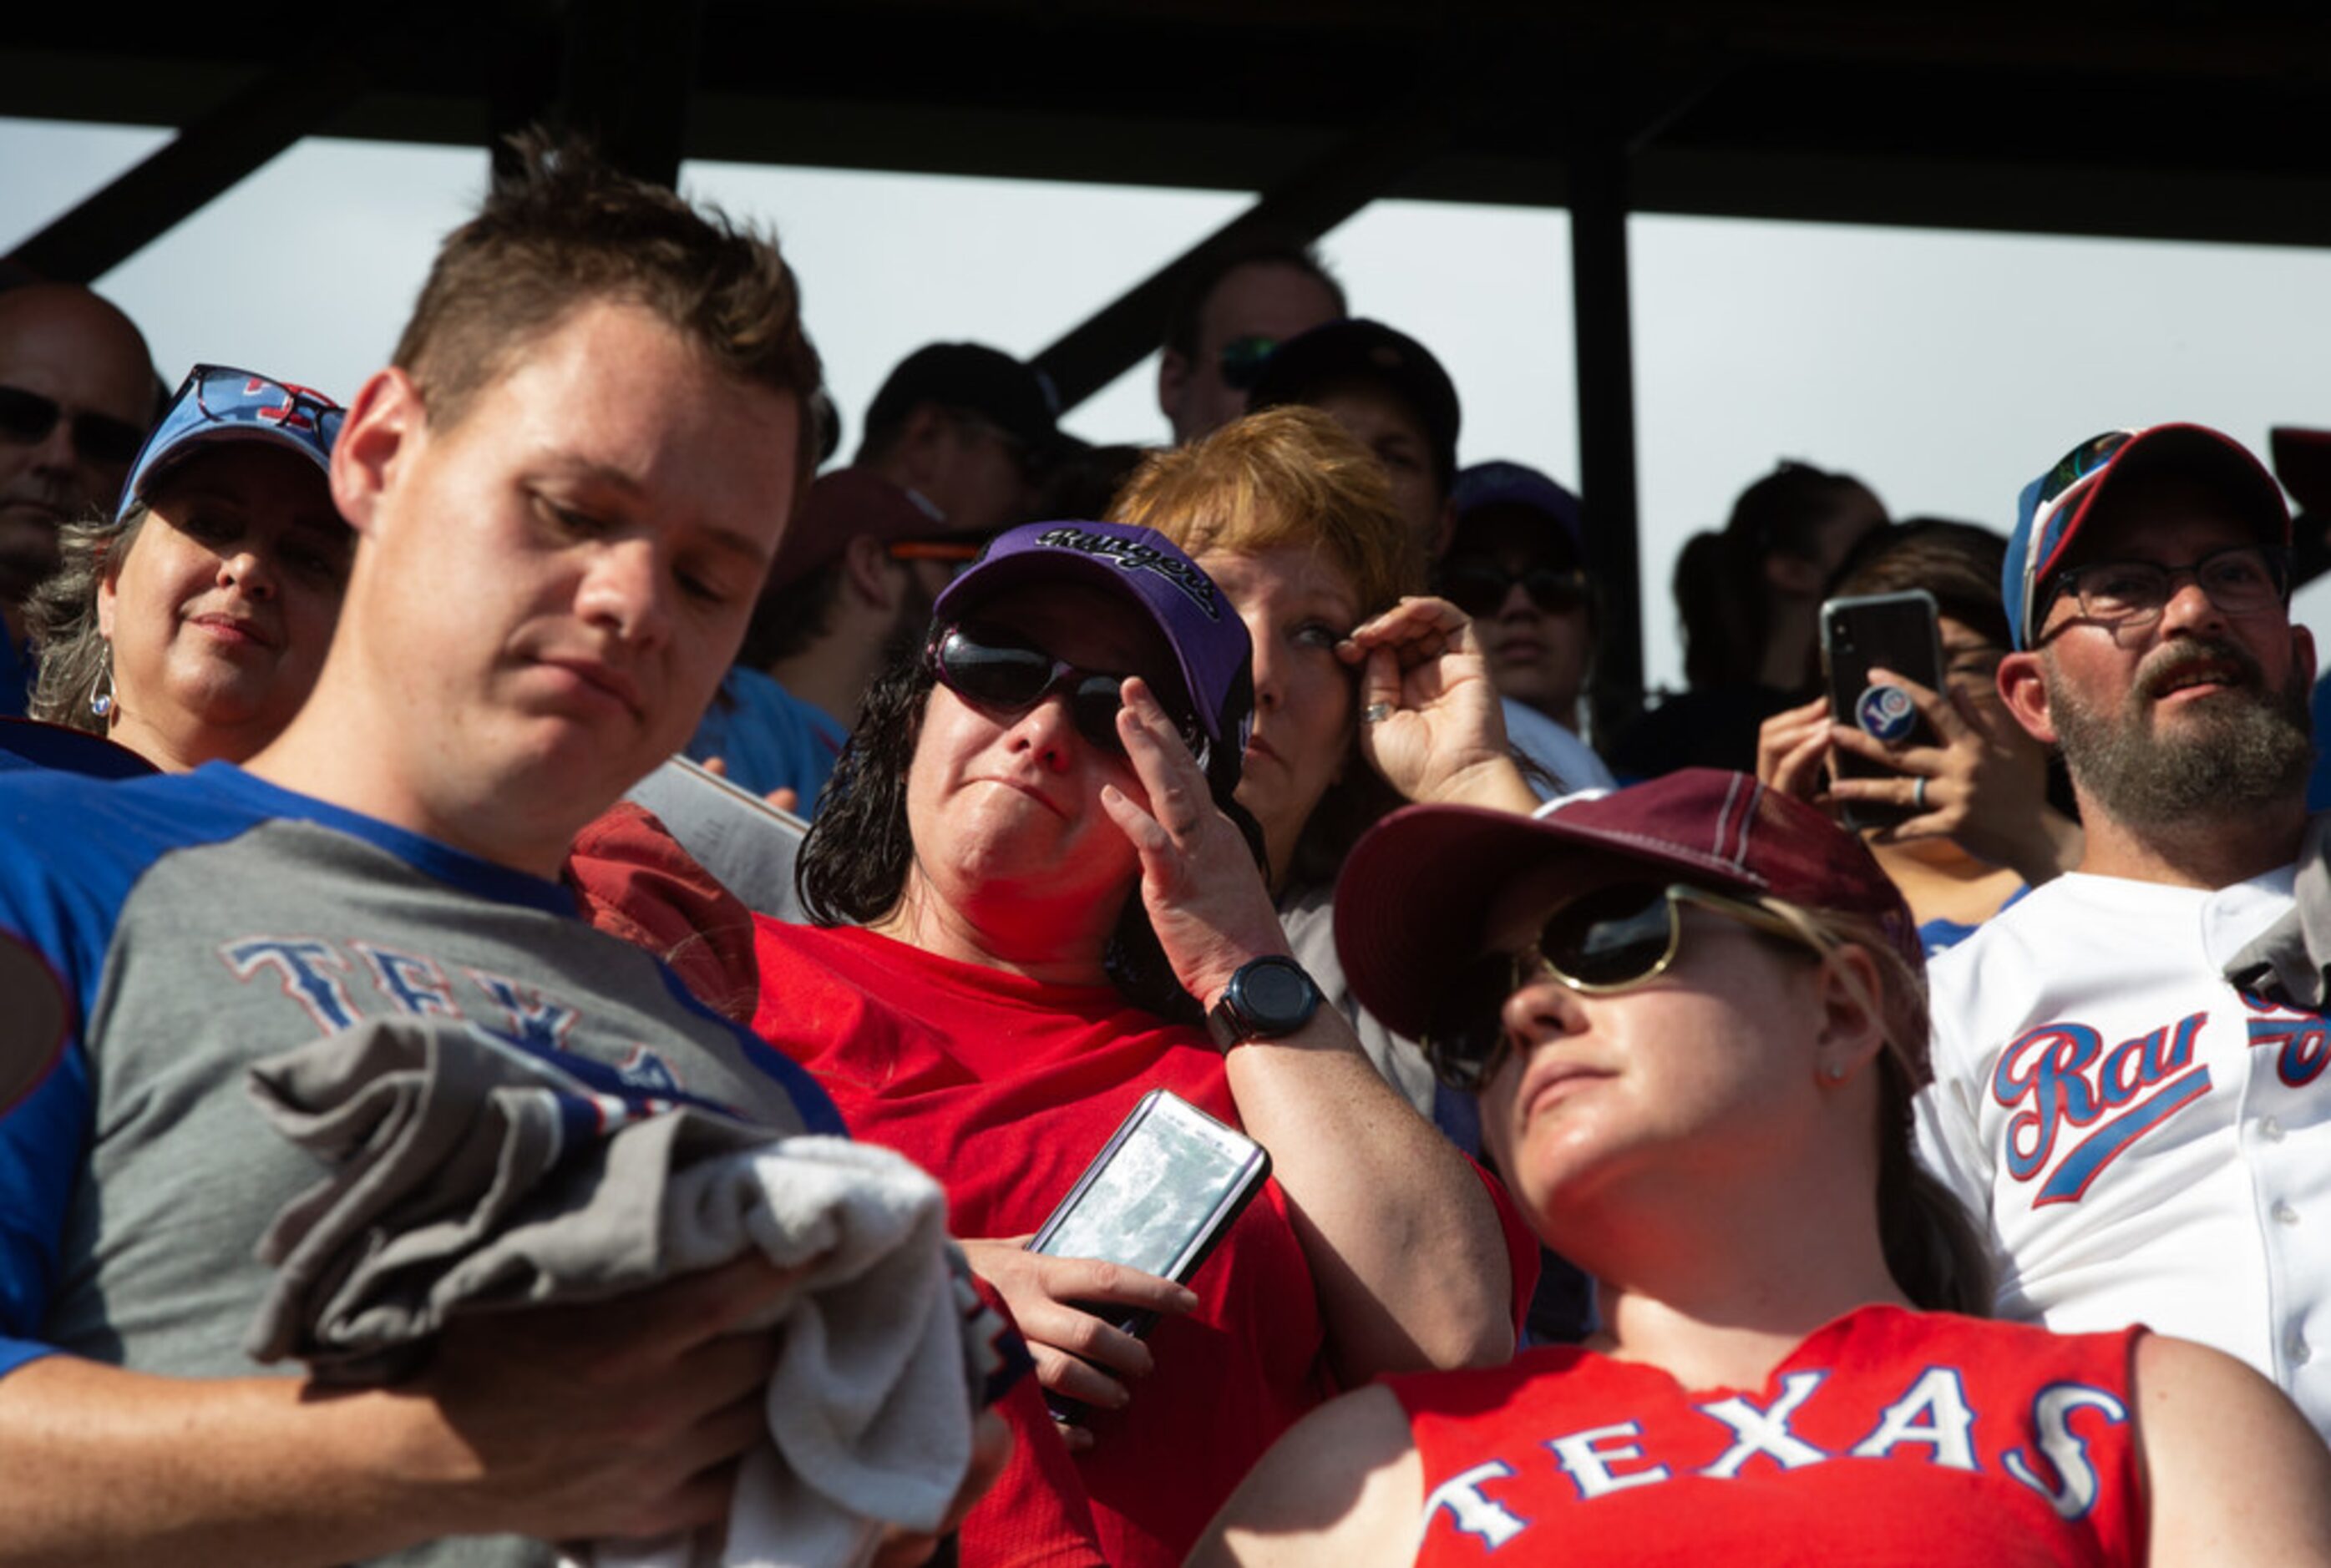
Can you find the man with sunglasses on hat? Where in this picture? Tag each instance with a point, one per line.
(77, 395)
(2146, 1139)
(1234, 308)
(1517, 564)
(968, 429)
(566, 488)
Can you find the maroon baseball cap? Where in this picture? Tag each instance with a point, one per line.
(843, 505)
(1415, 890)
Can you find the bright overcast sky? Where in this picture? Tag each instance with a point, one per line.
(1945, 369)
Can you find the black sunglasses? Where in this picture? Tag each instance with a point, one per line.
(1005, 677)
(27, 417)
(1480, 587)
(1243, 359)
(1613, 939)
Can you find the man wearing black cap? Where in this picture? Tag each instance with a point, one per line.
(968, 429)
(1388, 390)
(2127, 1059)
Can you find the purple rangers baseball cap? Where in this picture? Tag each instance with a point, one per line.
(2051, 511)
(218, 402)
(1210, 647)
(1415, 890)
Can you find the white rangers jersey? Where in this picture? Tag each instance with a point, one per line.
(2146, 1143)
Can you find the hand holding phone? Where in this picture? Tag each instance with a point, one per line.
(1142, 1219)
(1893, 632)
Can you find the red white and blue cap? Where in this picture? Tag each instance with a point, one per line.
(1209, 641)
(217, 403)
(2050, 513)
(1409, 907)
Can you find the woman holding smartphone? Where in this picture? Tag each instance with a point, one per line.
(1037, 903)
(1694, 1013)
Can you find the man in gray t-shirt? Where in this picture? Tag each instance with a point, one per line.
(566, 488)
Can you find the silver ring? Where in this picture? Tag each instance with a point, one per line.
(1918, 794)
(1376, 713)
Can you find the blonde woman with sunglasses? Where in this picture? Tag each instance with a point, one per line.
(1694, 1013)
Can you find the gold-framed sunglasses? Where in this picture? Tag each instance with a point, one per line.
(1611, 940)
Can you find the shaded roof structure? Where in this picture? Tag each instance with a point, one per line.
(2065, 117)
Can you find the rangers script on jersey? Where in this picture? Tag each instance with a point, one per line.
(2146, 1143)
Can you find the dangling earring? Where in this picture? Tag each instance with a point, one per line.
(100, 690)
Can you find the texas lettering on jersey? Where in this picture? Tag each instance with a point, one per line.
(2076, 1102)
(324, 978)
(1931, 1421)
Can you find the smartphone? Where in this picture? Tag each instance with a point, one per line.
(1894, 631)
(1162, 1192)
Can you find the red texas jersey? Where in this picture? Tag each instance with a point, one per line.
(1887, 1436)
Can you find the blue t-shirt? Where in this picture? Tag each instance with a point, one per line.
(768, 738)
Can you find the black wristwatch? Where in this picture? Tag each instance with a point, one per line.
(1267, 998)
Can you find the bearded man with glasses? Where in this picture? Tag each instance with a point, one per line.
(2126, 1090)
(77, 395)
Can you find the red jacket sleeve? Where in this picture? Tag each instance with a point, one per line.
(632, 879)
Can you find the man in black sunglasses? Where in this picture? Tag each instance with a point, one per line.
(2129, 1060)
(1517, 564)
(77, 395)
(1233, 310)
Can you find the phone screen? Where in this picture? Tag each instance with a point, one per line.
(1159, 1190)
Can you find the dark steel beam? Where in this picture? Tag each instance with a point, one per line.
(615, 73)
(1320, 194)
(205, 159)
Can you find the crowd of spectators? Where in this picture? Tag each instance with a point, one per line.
(545, 893)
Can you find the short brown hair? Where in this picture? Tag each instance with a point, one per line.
(564, 230)
(1291, 475)
(1286, 476)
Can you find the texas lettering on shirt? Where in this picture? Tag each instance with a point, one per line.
(1882, 1427)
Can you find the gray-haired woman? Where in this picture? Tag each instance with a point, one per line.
(189, 624)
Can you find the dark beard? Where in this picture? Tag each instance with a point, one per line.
(2244, 748)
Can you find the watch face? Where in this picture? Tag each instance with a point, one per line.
(1271, 992)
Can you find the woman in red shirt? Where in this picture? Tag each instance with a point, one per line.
(1051, 905)
(1694, 1013)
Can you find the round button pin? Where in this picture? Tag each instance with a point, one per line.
(1885, 712)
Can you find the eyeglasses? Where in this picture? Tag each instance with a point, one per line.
(100, 440)
(2240, 580)
(1243, 359)
(1613, 939)
(1480, 587)
(1008, 679)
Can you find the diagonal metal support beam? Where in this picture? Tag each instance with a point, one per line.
(207, 158)
(1315, 199)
